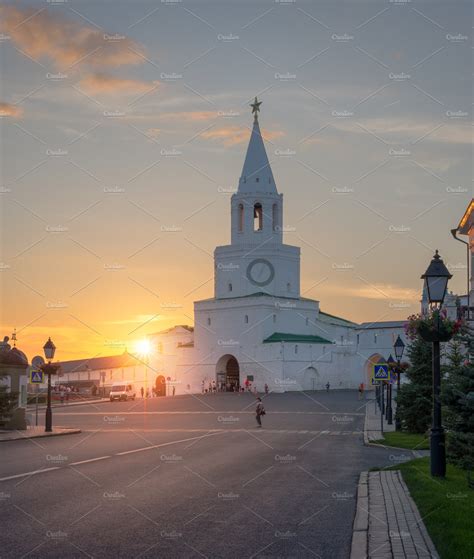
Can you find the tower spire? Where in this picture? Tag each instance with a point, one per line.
(257, 174)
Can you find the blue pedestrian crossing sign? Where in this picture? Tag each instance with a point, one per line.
(36, 377)
(381, 372)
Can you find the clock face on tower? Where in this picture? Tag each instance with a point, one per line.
(260, 272)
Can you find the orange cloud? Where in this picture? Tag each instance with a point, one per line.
(104, 83)
(6, 109)
(190, 115)
(233, 135)
(41, 34)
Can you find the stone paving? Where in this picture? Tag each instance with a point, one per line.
(373, 425)
(387, 524)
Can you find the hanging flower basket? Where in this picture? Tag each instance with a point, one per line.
(432, 327)
(430, 334)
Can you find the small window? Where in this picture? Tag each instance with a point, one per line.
(246, 319)
(307, 321)
(358, 337)
(257, 180)
(241, 217)
(288, 286)
(342, 340)
(296, 349)
(230, 287)
(257, 217)
(375, 338)
(208, 321)
(274, 318)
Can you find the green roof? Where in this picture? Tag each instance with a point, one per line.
(295, 338)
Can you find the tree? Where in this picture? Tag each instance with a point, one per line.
(415, 398)
(458, 398)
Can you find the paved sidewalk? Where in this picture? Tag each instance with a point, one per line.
(372, 426)
(55, 404)
(35, 432)
(387, 524)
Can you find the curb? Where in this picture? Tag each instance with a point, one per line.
(360, 528)
(42, 435)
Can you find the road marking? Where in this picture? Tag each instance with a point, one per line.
(87, 461)
(219, 412)
(33, 473)
(229, 430)
(167, 444)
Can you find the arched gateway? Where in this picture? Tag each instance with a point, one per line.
(228, 373)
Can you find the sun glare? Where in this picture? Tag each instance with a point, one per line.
(143, 347)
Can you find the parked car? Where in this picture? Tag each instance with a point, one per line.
(122, 391)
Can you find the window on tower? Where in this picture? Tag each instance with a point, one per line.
(257, 217)
(241, 217)
(230, 287)
(246, 319)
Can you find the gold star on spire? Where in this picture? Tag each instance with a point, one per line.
(256, 108)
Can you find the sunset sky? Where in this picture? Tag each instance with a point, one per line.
(124, 127)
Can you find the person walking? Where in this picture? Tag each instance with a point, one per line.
(266, 388)
(259, 411)
(142, 391)
(61, 394)
(328, 386)
(360, 391)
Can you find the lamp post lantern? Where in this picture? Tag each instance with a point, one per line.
(49, 369)
(399, 348)
(389, 413)
(436, 281)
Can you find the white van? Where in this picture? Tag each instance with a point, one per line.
(124, 391)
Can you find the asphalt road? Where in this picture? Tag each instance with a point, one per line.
(189, 477)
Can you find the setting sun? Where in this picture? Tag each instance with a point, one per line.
(143, 347)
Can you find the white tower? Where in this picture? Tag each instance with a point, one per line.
(257, 261)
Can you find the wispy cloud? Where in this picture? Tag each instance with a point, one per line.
(6, 109)
(395, 130)
(138, 319)
(97, 84)
(65, 42)
(233, 135)
(190, 115)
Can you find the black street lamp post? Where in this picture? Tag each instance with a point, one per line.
(49, 369)
(398, 348)
(436, 282)
(389, 414)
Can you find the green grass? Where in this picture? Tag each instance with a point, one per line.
(413, 441)
(446, 506)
